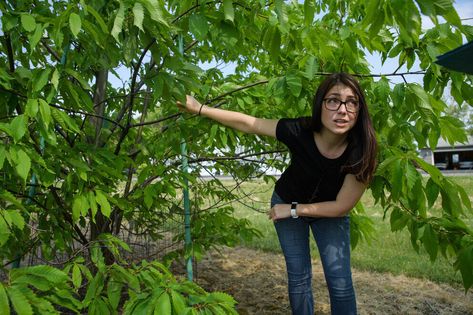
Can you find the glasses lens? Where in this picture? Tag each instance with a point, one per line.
(352, 106)
(332, 103)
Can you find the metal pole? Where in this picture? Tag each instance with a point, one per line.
(187, 212)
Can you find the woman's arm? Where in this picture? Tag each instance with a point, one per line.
(235, 120)
(347, 197)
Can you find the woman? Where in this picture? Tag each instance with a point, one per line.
(333, 158)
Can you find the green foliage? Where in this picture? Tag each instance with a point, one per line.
(80, 151)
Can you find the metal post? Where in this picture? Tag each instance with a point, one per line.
(187, 212)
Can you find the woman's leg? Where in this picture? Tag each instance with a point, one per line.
(333, 241)
(293, 236)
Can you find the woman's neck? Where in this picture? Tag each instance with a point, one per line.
(330, 145)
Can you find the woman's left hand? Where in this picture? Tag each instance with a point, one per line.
(280, 211)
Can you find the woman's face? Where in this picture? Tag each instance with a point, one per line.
(341, 120)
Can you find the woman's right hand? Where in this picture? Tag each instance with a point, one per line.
(192, 105)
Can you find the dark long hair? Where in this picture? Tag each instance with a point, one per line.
(361, 138)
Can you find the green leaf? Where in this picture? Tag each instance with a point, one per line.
(94, 289)
(2, 156)
(98, 18)
(163, 305)
(77, 206)
(79, 77)
(198, 26)
(114, 292)
(55, 79)
(178, 302)
(138, 13)
(18, 127)
(294, 83)
(21, 305)
(23, 164)
(430, 240)
(75, 24)
(228, 10)
(272, 42)
(464, 263)
(31, 108)
(45, 112)
(92, 204)
(154, 11)
(432, 191)
(28, 22)
(311, 67)
(76, 276)
(103, 202)
(118, 22)
(398, 220)
(309, 12)
(36, 37)
(16, 219)
(42, 80)
(4, 305)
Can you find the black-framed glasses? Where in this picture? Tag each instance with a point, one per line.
(333, 104)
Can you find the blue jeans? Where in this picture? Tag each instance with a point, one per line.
(332, 236)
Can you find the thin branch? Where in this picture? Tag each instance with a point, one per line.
(87, 114)
(51, 51)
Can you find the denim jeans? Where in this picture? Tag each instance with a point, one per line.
(332, 236)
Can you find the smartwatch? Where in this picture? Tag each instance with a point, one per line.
(293, 210)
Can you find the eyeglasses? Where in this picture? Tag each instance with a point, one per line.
(333, 104)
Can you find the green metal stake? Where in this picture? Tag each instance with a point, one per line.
(187, 212)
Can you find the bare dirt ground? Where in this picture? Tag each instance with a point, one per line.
(257, 280)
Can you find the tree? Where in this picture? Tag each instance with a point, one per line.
(73, 141)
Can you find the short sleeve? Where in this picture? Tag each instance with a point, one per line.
(288, 131)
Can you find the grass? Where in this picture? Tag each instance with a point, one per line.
(389, 252)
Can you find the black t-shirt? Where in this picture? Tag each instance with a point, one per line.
(310, 177)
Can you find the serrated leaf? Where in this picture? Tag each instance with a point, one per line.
(163, 305)
(21, 305)
(79, 78)
(138, 13)
(311, 67)
(228, 10)
(103, 202)
(118, 22)
(31, 107)
(55, 79)
(28, 22)
(154, 11)
(76, 276)
(198, 26)
(36, 37)
(464, 263)
(178, 302)
(432, 191)
(309, 11)
(430, 241)
(98, 18)
(16, 219)
(23, 164)
(294, 83)
(92, 204)
(75, 24)
(2, 156)
(4, 305)
(42, 80)
(77, 206)
(18, 127)
(45, 112)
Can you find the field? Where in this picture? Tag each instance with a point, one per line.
(390, 277)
